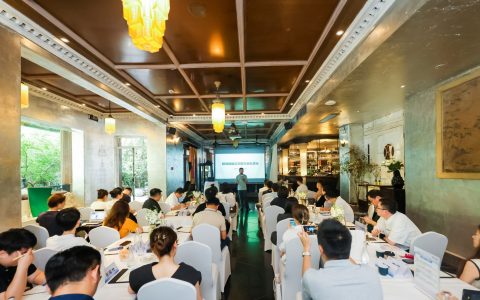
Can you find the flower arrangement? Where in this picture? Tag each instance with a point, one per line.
(197, 195)
(338, 213)
(152, 217)
(392, 165)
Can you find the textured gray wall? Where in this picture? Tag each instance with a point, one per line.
(448, 206)
(174, 167)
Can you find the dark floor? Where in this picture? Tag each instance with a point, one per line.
(252, 274)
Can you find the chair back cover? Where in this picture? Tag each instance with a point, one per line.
(42, 256)
(432, 242)
(41, 233)
(141, 218)
(168, 288)
(103, 236)
(210, 236)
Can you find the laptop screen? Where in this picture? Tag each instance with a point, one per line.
(97, 216)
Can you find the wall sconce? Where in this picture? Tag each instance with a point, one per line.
(343, 142)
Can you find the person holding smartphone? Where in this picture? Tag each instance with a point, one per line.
(300, 217)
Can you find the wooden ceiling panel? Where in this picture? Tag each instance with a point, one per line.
(185, 106)
(265, 103)
(203, 31)
(284, 29)
(160, 81)
(204, 79)
(231, 104)
(271, 79)
(101, 23)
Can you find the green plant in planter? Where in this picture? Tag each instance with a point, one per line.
(355, 164)
(393, 165)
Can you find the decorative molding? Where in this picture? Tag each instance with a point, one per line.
(360, 28)
(19, 23)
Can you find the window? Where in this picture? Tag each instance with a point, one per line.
(132, 165)
(40, 157)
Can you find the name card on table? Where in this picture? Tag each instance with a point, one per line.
(427, 272)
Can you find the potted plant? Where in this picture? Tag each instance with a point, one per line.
(355, 164)
(394, 166)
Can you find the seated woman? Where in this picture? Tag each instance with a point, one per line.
(101, 202)
(56, 202)
(320, 195)
(163, 242)
(471, 271)
(226, 195)
(291, 201)
(300, 217)
(118, 219)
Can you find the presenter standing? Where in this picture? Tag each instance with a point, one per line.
(242, 181)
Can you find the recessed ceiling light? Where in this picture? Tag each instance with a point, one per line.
(64, 40)
(307, 81)
(170, 91)
(228, 114)
(157, 105)
(291, 104)
(263, 114)
(402, 86)
(64, 107)
(340, 32)
(194, 115)
(358, 111)
(83, 104)
(44, 88)
(330, 102)
(127, 84)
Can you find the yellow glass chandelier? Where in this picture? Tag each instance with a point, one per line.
(110, 121)
(218, 112)
(23, 95)
(146, 22)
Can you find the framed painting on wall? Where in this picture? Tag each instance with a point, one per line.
(458, 128)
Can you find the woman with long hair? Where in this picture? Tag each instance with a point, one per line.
(117, 218)
(163, 242)
(300, 217)
(471, 271)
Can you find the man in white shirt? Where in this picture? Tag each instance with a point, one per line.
(212, 216)
(393, 226)
(69, 220)
(333, 198)
(175, 198)
(262, 189)
(339, 278)
(302, 188)
(102, 198)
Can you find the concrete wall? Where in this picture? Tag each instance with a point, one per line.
(448, 206)
(351, 134)
(99, 147)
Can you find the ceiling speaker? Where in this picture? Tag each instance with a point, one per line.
(171, 130)
(288, 125)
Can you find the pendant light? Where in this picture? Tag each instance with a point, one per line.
(24, 101)
(109, 121)
(146, 22)
(218, 112)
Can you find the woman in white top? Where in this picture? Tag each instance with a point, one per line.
(332, 197)
(300, 217)
(227, 196)
(101, 202)
(471, 271)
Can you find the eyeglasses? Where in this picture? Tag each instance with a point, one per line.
(379, 208)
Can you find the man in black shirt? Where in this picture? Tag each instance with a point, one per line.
(282, 197)
(152, 202)
(74, 273)
(16, 268)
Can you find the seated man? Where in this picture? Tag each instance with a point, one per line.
(268, 197)
(333, 198)
(74, 273)
(56, 202)
(16, 268)
(212, 216)
(340, 278)
(302, 188)
(374, 196)
(393, 226)
(152, 202)
(175, 199)
(262, 189)
(69, 220)
(281, 199)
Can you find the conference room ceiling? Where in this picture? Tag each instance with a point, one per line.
(250, 130)
(438, 42)
(263, 52)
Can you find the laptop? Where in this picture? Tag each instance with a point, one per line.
(97, 216)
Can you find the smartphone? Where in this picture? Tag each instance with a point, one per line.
(310, 229)
(292, 223)
(125, 243)
(115, 249)
(408, 261)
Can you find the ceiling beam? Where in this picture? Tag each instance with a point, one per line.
(319, 43)
(41, 76)
(145, 66)
(279, 63)
(213, 96)
(241, 49)
(175, 61)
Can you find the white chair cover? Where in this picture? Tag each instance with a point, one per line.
(141, 218)
(42, 256)
(210, 236)
(135, 205)
(85, 213)
(291, 276)
(41, 233)
(103, 236)
(432, 242)
(165, 207)
(168, 288)
(271, 214)
(281, 227)
(200, 257)
(226, 206)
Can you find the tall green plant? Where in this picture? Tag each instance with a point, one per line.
(355, 164)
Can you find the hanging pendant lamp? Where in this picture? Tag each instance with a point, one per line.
(218, 112)
(24, 100)
(110, 121)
